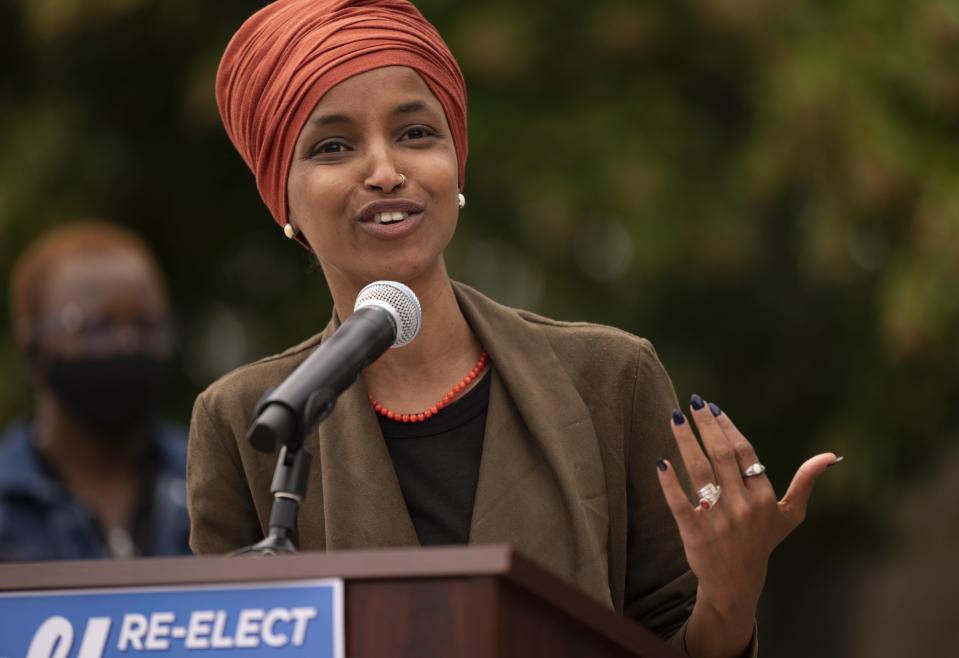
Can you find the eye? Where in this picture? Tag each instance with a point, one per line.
(332, 147)
(328, 148)
(418, 132)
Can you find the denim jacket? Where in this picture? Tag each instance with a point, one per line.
(41, 520)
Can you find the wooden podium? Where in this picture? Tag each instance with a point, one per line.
(470, 602)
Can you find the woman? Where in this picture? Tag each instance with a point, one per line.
(519, 429)
(92, 474)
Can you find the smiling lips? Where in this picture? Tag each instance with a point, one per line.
(390, 219)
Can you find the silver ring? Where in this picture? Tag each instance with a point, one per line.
(754, 470)
(709, 495)
(402, 180)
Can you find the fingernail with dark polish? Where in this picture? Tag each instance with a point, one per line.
(715, 409)
(838, 460)
(661, 464)
(678, 417)
(696, 401)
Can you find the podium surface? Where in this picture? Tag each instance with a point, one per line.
(462, 602)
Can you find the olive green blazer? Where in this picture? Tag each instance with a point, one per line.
(578, 414)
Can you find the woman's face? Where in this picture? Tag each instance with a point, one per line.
(105, 304)
(346, 187)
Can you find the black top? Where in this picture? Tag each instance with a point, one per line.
(437, 462)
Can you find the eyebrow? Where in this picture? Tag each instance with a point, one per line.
(333, 119)
(408, 108)
(330, 119)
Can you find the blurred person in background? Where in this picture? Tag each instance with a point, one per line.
(92, 474)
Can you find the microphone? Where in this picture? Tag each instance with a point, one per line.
(387, 314)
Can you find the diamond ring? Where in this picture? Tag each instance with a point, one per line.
(709, 495)
(754, 470)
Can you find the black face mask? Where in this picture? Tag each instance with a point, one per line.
(114, 393)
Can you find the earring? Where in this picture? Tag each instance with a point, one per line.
(461, 201)
(289, 230)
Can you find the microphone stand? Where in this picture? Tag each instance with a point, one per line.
(278, 423)
(288, 489)
(287, 414)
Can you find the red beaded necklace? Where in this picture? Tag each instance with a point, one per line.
(445, 400)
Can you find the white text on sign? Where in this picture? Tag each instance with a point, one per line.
(204, 629)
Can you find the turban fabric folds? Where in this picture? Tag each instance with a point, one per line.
(286, 56)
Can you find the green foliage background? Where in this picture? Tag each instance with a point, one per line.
(767, 190)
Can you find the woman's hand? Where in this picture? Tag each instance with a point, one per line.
(728, 540)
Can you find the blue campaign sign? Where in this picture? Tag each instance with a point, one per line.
(282, 619)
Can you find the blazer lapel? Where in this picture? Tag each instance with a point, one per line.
(354, 498)
(541, 483)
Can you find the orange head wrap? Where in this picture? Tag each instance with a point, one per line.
(287, 55)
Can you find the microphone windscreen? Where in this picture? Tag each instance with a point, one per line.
(400, 302)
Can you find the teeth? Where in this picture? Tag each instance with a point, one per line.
(389, 217)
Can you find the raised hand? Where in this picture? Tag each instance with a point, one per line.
(738, 521)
